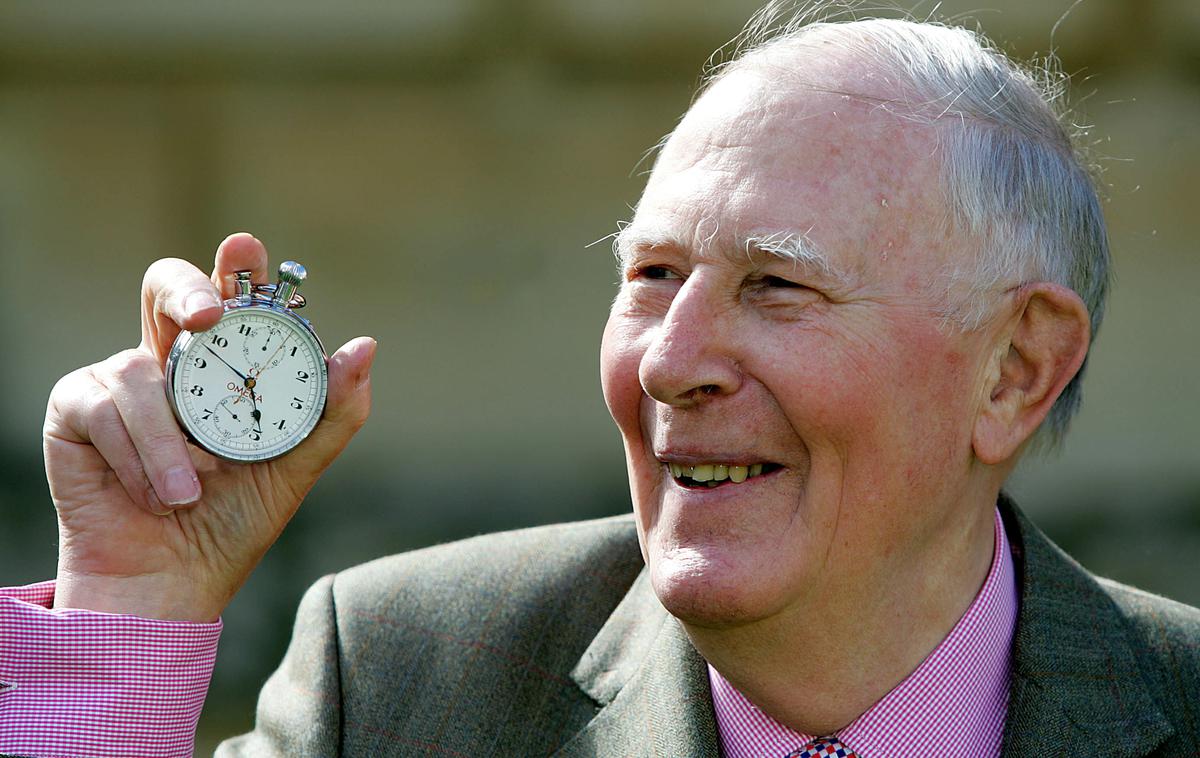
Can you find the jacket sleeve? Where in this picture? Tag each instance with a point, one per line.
(300, 707)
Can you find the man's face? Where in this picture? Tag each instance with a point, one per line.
(837, 379)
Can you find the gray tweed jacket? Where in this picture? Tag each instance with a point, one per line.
(549, 642)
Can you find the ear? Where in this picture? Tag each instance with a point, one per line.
(1040, 352)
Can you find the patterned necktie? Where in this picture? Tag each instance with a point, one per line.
(824, 747)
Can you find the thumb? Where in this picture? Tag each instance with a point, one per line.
(347, 405)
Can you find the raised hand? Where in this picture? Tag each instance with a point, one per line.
(149, 524)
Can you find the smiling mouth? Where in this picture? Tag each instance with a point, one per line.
(710, 475)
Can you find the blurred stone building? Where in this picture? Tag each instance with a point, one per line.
(441, 167)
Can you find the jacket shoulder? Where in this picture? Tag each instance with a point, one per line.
(1096, 663)
(470, 645)
(523, 563)
(1149, 611)
(1162, 628)
(1165, 636)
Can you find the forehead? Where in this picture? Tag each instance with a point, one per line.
(764, 152)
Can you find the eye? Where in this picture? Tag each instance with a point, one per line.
(777, 281)
(771, 282)
(772, 291)
(653, 272)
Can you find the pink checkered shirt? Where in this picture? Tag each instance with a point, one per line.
(956, 700)
(75, 683)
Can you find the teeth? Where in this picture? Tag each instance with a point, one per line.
(711, 474)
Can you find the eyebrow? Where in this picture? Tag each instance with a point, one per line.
(791, 246)
(787, 245)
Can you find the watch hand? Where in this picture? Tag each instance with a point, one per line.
(267, 363)
(255, 414)
(226, 409)
(222, 360)
(248, 381)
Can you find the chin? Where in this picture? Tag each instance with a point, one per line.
(705, 590)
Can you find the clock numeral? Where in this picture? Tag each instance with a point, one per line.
(196, 390)
(279, 426)
(207, 414)
(293, 353)
(199, 362)
(297, 403)
(254, 435)
(244, 329)
(302, 376)
(220, 341)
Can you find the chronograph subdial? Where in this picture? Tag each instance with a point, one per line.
(262, 347)
(234, 417)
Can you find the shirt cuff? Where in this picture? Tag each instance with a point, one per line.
(77, 682)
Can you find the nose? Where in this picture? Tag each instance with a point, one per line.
(690, 357)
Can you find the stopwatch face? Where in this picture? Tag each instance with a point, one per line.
(252, 387)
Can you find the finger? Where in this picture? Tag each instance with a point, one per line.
(239, 252)
(135, 381)
(346, 408)
(81, 411)
(175, 295)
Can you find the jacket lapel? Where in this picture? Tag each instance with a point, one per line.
(1076, 686)
(651, 685)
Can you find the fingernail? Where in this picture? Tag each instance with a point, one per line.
(199, 301)
(180, 486)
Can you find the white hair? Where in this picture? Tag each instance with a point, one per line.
(1015, 175)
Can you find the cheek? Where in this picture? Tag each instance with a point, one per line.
(911, 377)
(891, 414)
(935, 383)
(620, 357)
(925, 403)
(831, 387)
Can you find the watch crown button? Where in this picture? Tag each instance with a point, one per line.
(291, 276)
(291, 272)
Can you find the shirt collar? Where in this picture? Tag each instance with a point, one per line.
(957, 699)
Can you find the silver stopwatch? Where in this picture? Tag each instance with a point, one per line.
(252, 387)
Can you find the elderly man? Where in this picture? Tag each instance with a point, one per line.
(861, 282)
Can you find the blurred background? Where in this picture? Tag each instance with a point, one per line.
(441, 166)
